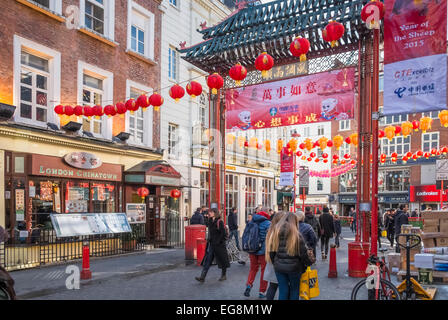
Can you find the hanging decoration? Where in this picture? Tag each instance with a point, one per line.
(309, 144)
(443, 116)
(109, 111)
(406, 128)
(337, 141)
(299, 48)
(156, 101)
(279, 145)
(194, 89)
(78, 111)
(293, 144)
(120, 107)
(142, 192)
(238, 73)
(323, 143)
(267, 145)
(333, 32)
(370, 10)
(397, 130)
(176, 92)
(415, 125)
(98, 111)
(354, 139)
(334, 172)
(131, 105)
(215, 82)
(381, 134)
(264, 63)
(143, 102)
(390, 132)
(175, 194)
(425, 124)
(88, 112)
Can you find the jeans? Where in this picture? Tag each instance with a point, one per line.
(234, 233)
(324, 243)
(257, 261)
(272, 289)
(336, 240)
(390, 237)
(288, 285)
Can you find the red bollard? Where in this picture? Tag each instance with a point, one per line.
(333, 271)
(86, 273)
(200, 252)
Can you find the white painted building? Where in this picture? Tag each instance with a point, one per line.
(180, 22)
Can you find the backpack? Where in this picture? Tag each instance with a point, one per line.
(251, 241)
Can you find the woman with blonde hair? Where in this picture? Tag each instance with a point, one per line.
(287, 251)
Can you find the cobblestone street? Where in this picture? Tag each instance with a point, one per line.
(163, 275)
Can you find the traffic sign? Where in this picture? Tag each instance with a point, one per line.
(442, 169)
(304, 177)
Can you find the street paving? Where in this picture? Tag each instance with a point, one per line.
(163, 274)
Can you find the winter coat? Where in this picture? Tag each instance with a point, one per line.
(197, 218)
(232, 221)
(262, 219)
(400, 219)
(308, 234)
(327, 225)
(337, 226)
(389, 224)
(313, 222)
(284, 263)
(216, 239)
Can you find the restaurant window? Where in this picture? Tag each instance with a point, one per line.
(347, 182)
(344, 125)
(76, 197)
(34, 81)
(231, 192)
(431, 114)
(266, 193)
(92, 94)
(393, 119)
(430, 141)
(394, 180)
(320, 185)
(251, 195)
(19, 164)
(46, 199)
(172, 63)
(400, 145)
(204, 187)
(103, 197)
(136, 120)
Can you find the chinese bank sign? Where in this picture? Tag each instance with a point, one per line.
(319, 97)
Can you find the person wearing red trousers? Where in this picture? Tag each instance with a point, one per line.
(257, 259)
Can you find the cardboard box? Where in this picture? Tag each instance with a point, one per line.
(434, 215)
(424, 260)
(443, 226)
(393, 260)
(430, 228)
(441, 242)
(429, 243)
(403, 266)
(431, 223)
(412, 254)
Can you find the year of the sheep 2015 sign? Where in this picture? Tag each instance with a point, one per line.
(415, 62)
(318, 97)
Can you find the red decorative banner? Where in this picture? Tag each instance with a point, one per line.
(315, 98)
(286, 168)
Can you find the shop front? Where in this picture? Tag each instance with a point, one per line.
(427, 197)
(386, 200)
(315, 202)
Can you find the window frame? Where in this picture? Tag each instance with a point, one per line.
(430, 114)
(55, 6)
(402, 118)
(108, 78)
(53, 81)
(147, 115)
(430, 140)
(347, 127)
(93, 90)
(109, 18)
(176, 64)
(174, 5)
(148, 29)
(395, 144)
(173, 146)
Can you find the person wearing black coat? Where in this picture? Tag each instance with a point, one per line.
(389, 224)
(306, 230)
(337, 229)
(327, 231)
(312, 220)
(400, 218)
(197, 218)
(233, 227)
(216, 246)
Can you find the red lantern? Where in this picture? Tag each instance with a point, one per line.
(372, 9)
(299, 153)
(142, 192)
(175, 193)
(405, 159)
(381, 134)
(68, 110)
(215, 82)
(419, 153)
(397, 130)
(347, 156)
(88, 111)
(194, 89)
(97, 111)
(156, 100)
(310, 159)
(394, 155)
(353, 161)
(131, 105)
(335, 157)
(383, 155)
(246, 144)
(109, 110)
(317, 160)
(335, 161)
(238, 73)
(299, 48)
(120, 108)
(415, 157)
(444, 150)
(416, 124)
(348, 140)
(176, 92)
(433, 152)
(409, 154)
(59, 109)
(263, 63)
(343, 162)
(427, 155)
(312, 154)
(78, 111)
(143, 102)
(333, 32)
(325, 155)
(329, 143)
(302, 146)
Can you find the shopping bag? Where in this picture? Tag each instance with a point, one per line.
(309, 284)
(384, 233)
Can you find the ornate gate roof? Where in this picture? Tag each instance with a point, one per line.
(271, 27)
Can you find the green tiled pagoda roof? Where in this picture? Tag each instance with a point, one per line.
(271, 27)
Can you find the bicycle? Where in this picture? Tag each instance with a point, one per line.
(377, 285)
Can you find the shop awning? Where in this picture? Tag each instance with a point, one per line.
(284, 192)
(157, 172)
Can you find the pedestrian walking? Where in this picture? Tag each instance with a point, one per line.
(311, 219)
(286, 250)
(233, 227)
(257, 259)
(400, 219)
(337, 230)
(327, 231)
(389, 224)
(216, 246)
(197, 218)
(269, 272)
(352, 214)
(307, 231)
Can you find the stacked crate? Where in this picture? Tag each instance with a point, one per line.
(435, 229)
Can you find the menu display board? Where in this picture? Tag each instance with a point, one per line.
(70, 225)
(20, 204)
(136, 212)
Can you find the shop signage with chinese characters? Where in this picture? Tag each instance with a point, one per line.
(54, 167)
(428, 193)
(83, 160)
(236, 169)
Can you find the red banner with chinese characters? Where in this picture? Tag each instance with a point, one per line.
(315, 98)
(286, 168)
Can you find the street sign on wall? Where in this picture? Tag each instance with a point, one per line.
(442, 169)
(304, 177)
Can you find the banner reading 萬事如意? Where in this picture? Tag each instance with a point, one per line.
(415, 61)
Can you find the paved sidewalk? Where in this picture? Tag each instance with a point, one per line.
(163, 274)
